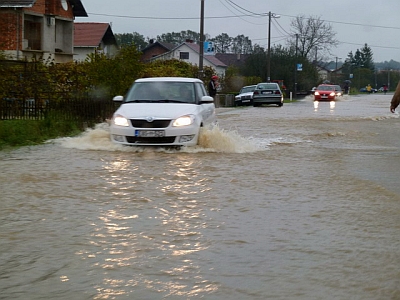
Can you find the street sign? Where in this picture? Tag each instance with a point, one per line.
(209, 48)
(299, 67)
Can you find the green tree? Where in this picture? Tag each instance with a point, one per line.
(114, 76)
(223, 43)
(241, 45)
(283, 62)
(179, 37)
(126, 39)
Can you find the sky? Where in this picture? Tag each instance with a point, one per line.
(355, 22)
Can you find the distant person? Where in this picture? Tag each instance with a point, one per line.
(369, 88)
(212, 86)
(396, 99)
(385, 89)
(346, 89)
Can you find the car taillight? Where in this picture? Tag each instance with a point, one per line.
(255, 93)
(277, 92)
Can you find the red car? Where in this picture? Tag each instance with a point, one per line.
(325, 92)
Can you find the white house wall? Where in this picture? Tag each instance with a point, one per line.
(193, 58)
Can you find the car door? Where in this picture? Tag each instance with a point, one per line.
(206, 109)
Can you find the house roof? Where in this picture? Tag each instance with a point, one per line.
(77, 7)
(92, 34)
(166, 46)
(232, 59)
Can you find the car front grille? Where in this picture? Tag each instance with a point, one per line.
(245, 97)
(154, 124)
(150, 140)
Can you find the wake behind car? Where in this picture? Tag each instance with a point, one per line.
(267, 93)
(245, 96)
(325, 92)
(162, 111)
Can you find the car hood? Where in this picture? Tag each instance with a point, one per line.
(156, 110)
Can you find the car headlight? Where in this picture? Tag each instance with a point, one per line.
(183, 121)
(332, 94)
(316, 93)
(121, 121)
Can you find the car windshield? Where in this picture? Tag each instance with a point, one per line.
(326, 88)
(158, 91)
(247, 89)
(267, 86)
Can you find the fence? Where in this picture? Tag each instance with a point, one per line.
(224, 100)
(79, 109)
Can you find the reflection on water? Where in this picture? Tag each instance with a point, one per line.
(332, 105)
(276, 203)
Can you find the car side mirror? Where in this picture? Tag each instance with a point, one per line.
(118, 98)
(207, 99)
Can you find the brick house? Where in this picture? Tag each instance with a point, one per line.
(154, 49)
(33, 29)
(93, 38)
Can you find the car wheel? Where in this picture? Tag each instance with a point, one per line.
(280, 104)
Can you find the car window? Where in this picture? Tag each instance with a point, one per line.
(200, 90)
(267, 86)
(247, 89)
(325, 88)
(162, 91)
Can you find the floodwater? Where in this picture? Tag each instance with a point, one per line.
(297, 202)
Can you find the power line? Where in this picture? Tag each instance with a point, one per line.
(348, 23)
(235, 16)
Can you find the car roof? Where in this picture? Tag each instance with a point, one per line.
(332, 85)
(168, 79)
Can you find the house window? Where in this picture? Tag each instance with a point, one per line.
(184, 55)
(32, 34)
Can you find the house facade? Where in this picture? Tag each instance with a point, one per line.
(93, 38)
(39, 29)
(190, 53)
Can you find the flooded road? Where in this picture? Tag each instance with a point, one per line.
(297, 202)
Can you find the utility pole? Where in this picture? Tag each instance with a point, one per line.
(270, 16)
(295, 68)
(269, 49)
(336, 68)
(201, 56)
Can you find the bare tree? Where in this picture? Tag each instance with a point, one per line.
(312, 36)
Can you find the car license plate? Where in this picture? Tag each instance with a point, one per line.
(267, 92)
(149, 133)
(324, 96)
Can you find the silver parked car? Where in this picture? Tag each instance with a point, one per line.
(267, 93)
(245, 96)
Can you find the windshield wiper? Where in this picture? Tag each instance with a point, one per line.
(169, 101)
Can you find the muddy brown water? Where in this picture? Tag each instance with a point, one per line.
(297, 202)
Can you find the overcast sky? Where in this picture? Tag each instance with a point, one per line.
(355, 22)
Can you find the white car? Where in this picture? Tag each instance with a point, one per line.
(245, 96)
(162, 111)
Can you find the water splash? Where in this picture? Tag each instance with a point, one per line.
(213, 139)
